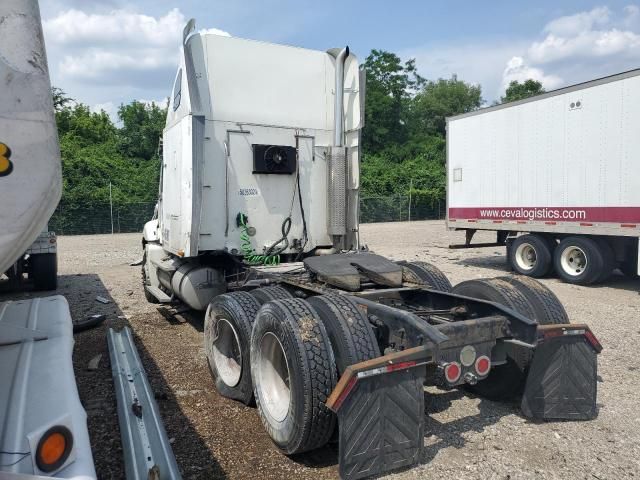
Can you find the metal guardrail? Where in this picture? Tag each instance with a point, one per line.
(147, 452)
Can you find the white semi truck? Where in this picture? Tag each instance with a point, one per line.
(257, 224)
(556, 176)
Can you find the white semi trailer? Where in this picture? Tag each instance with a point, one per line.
(556, 176)
(257, 223)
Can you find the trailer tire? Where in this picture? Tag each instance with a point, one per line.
(349, 330)
(630, 266)
(427, 274)
(531, 255)
(267, 294)
(547, 308)
(579, 260)
(290, 342)
(608, 259)
(44, 271)
(227, 335)
(504, 381)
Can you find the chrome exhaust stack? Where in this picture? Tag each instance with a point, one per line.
(337, 161)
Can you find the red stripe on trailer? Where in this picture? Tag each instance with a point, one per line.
(472, 221)
(521, 221)
(497, 221)
(452, 219)
(584, 224)
(575, 214)
(628, 225)
(550, 223)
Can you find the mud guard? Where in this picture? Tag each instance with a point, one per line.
(562, 381)
(380, 416)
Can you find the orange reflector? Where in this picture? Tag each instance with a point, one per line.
(54, 448)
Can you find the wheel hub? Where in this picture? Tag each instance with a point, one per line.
(227, 354)
(526, 256)
(273, 371)
(573, 260)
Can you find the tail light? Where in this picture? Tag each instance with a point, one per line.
(452, 372)
(483, 365)
(54, 448)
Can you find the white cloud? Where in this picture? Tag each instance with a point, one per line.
(120, 47)
(118, 28)
(586, 35)
(518, 70)
(578, 23)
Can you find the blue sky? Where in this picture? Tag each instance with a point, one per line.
(105, 52)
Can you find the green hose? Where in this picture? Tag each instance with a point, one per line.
(251, 257)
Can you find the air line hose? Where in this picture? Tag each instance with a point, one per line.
(251, 257)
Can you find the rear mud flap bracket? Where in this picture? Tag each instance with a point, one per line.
(562, 380)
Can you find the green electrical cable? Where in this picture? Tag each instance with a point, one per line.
(250, 255)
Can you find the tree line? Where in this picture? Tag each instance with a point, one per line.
(404, 139)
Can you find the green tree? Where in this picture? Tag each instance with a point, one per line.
(440, 99)
(390, 84)
(60, 99)
(518, 91)
(142, 126)
(79, 124)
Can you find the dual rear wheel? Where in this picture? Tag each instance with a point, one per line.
(576, 259)
(286, 354)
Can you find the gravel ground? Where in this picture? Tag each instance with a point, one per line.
(464, 436)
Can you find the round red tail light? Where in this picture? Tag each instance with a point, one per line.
(483, 365)
(452, 372)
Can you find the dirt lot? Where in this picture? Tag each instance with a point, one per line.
(465, 436)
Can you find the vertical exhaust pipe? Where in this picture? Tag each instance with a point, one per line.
(338, 109)
(337, 164)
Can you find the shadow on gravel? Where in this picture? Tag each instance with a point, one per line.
(451, 433)
(97, 391)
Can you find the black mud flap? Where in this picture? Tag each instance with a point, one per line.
(562, 380)
(381, 424)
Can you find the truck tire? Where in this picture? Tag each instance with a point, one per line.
(293, 371)
(497, 291)
(547, 308)
(608, 259)
(150, 298)
(44, 271)
(266, 294)
(227, 334)
(630, 264)
(349, 330)
(579, 260)
(426, 274)
(504, 381)
(531, 255)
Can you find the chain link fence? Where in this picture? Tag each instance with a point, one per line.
(100, 219)
(131, 217)
(399, 208)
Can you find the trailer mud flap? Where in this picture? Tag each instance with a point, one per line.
(381, 424)
(562, 380)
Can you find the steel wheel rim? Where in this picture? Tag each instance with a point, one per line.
(273, 385)
(227, 354)
(573, 261)
(526, 256)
